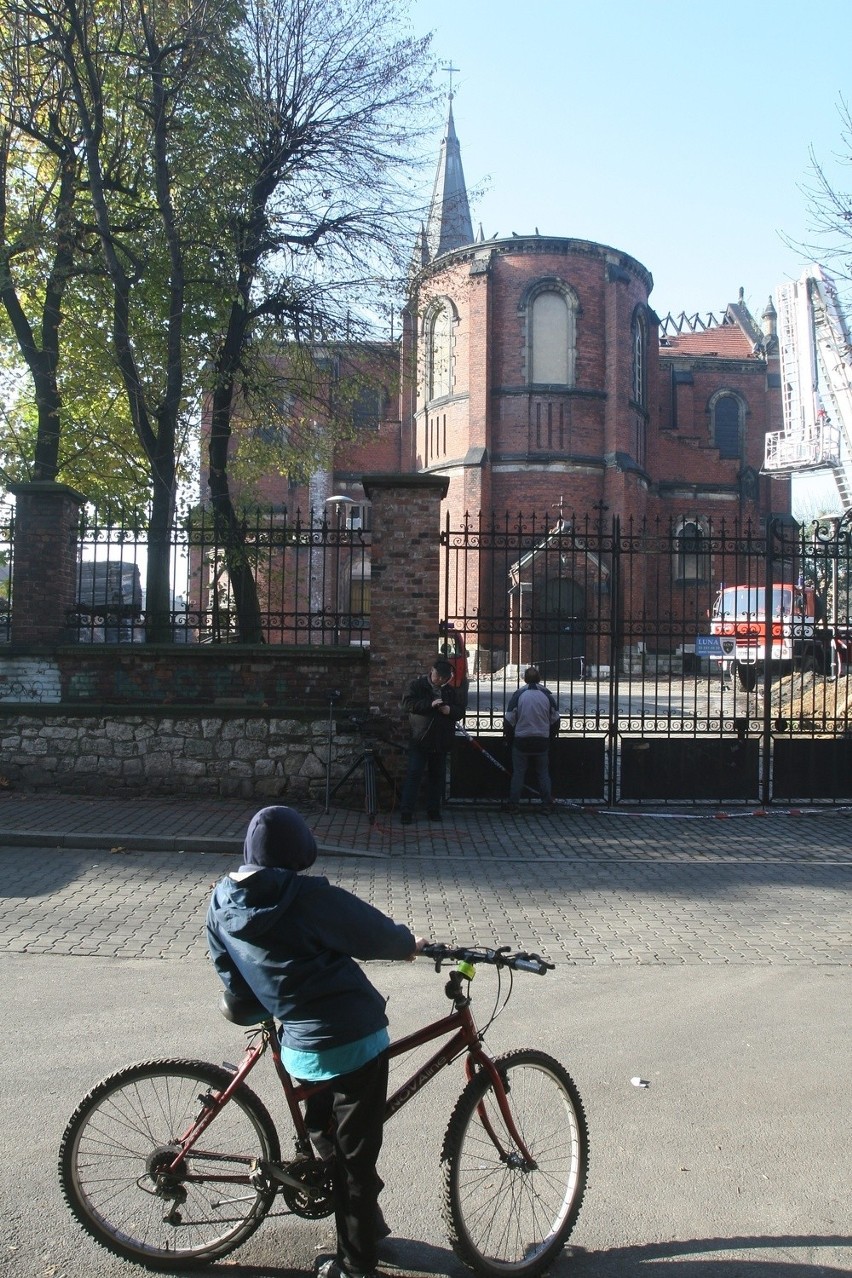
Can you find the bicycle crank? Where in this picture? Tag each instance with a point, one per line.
(305, 1185)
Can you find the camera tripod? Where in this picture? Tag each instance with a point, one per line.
(368, 760)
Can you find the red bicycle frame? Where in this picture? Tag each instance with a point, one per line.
(459, 1024)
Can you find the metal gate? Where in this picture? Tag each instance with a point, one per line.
(693, 660)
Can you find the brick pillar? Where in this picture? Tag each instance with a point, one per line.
(44, 584)
(405, 603)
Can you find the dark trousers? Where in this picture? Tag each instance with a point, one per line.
(434, 764)
(347, 1120)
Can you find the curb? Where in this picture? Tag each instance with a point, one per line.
(152, 843)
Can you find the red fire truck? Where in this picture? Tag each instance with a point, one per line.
(794, 634)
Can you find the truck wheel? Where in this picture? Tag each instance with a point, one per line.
(814, 660)
(747, 676)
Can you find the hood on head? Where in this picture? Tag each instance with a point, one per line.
(279, 838)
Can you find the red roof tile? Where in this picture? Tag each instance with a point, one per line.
(728, 341)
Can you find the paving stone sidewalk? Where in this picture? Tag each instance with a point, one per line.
(467, 831)
(126, 879)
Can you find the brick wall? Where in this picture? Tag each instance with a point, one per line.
(45, 561)
(405, 568)
(214, 677)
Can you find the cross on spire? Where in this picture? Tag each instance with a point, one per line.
(451, 70)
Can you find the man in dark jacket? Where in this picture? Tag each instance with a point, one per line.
(434, 708)
(290, 943)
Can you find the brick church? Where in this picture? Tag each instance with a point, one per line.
(534, 370)
(534, 374)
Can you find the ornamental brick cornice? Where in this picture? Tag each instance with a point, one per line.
(713, 364)
(541, 245)
(544, 390)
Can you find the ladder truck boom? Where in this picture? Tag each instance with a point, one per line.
(816, 380)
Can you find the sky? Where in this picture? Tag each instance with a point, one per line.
(678, 132)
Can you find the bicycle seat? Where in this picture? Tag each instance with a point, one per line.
(242, 1011)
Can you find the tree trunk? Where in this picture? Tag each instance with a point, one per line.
(229, 532)
(158, 600)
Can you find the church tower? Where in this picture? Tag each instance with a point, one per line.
(448, 226)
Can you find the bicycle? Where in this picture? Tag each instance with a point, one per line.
(138, 1177)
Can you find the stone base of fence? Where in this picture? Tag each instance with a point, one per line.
(159, 754)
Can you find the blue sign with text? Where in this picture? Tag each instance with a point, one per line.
(708, 646)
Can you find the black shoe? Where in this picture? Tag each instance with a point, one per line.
(510, 809)
(405, 818)
(434, 816)
(334, 1269)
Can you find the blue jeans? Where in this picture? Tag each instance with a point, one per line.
(434, 764)
(540, 764)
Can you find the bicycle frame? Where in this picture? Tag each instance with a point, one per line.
(464, 1037)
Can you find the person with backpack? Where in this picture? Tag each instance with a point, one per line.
(530, 721)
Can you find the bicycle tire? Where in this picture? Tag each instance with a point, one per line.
(110, 1147)
(504, 1218)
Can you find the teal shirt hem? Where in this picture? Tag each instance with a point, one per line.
(317, 1067)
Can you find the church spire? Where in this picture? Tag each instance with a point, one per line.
(449, 226)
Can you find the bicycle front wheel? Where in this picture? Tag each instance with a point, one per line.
(124, 1135)
(506, 1213)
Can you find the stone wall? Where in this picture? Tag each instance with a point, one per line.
(263, 756)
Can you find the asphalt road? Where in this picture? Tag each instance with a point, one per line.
(735, 1162)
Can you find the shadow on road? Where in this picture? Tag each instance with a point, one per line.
(689, 1258)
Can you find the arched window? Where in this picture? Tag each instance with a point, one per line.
(551, 315)
(439, 378)
(726, 421)
(638, 339)
(691, 552)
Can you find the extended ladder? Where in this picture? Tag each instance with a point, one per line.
(814, 355)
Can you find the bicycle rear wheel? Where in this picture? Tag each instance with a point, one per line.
(505, 1215)
(127, 1131)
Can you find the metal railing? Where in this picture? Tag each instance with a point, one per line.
(618, 616)
(310, 580)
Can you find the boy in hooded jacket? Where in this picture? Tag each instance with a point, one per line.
(290, 943)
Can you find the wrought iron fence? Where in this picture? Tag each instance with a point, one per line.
(311, 580)
(693, 658)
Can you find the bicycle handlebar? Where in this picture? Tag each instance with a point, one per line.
(502, 957)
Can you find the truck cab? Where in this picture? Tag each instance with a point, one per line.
(785, 633)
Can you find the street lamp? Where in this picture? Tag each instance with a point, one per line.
(336, 505)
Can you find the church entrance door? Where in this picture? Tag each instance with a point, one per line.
(559, 630)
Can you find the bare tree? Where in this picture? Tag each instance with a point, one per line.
(334, 91)
(240, 169)
(830, 207)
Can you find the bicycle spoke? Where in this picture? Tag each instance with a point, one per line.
(505, 1215)
(125, 1135)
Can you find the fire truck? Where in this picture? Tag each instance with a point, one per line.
(791, 633)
